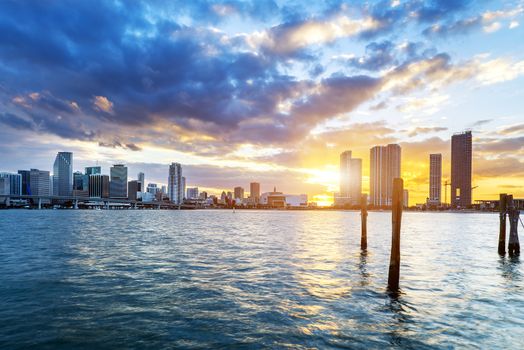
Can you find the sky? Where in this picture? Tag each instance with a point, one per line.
(265, 91)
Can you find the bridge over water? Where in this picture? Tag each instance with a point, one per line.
(88, 201)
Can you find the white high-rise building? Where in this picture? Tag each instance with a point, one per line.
(350, 180)
(384, 167)
(175, 183)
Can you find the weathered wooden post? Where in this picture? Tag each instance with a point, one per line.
(514, 213)
(502, 232)
(396, 219)
(364, 222)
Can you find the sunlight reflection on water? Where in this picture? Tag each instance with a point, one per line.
(163, 279)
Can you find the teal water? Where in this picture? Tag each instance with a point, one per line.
(253, 279)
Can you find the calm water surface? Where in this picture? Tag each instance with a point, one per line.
(253, 279)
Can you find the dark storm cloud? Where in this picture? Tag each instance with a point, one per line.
(16, 122)
(57, 59)
(118, 144)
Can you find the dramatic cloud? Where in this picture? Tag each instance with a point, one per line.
(423, 130)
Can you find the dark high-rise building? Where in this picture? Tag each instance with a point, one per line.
(384, 167)
(80, 184)
(78, 181)
(63, 174)
(132, 188)
(26, 181)
(99, 186)
(461, 160)
(254, 192)
(350, 179)
(435, 179)
(239, 193)
(118, 184)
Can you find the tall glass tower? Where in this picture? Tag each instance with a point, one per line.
(63, 174)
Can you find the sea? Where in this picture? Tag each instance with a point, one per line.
(218, 279)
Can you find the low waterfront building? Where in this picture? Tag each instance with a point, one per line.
(192, 193)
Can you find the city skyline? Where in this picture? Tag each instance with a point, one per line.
(241, 92)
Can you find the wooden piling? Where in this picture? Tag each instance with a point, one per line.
(364, 221)
(513, 213)
(502, 231)
(396, 219)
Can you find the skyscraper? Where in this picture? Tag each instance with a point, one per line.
(461, 159)
(384, 167)
(63, 174)
(176, 187)
(132, 188)
(239, 193)
(26, 181)
(254, 192)
(39, 182)
(118, 183)
(141, 182)
(350, 179)
(15, 182)
(435, 179)
(99, 186)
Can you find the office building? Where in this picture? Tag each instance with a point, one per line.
(63, 174)
(99, 186)
(435, 179)
(39, 182)
(254, 192)
(176, 183)
(118, 182)
(461, 161)
(26, 181)
(133, 187)
(80, 184)
(141, 181)
(239, 193)
(183, 185)
(405, 198)
(5, 186)
(12, 183)
(93, 170)
(384, 167)
(192, 193)
(350, 180)
(152, 188)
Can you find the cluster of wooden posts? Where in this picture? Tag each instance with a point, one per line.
(396, 220)
(507, 208)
